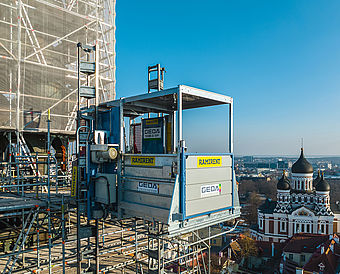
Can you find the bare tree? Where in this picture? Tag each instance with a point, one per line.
(251, 208)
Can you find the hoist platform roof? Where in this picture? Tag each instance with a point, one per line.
(166, 100)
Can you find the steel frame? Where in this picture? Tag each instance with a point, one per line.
(130, 245)
(31, 196)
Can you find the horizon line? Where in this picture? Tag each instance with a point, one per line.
(288, 156)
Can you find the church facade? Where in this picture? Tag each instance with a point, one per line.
(302, 206)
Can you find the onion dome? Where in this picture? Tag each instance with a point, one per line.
(317, 179)
(302, 165)
(283, 183)
(323, 185)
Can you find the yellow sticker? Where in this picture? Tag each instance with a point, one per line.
(74, 181)
(152, 122)
(142, 161)
(209, 161)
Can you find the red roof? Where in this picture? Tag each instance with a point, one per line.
(265, 248)
(329, 258)
(304, 242)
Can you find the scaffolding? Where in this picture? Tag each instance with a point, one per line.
(38, 60)
(41, 234)
(39, 229)
(38, 95)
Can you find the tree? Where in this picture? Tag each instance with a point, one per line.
(251, 208)
(248, 248)
(268, 188)
(217, 263)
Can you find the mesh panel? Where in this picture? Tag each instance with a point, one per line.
(50, 31)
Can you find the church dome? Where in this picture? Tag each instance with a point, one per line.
(323, 185)
(302, 165)
(317, 179)
(283, 183)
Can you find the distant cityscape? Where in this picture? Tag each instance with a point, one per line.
(252, 167)
(291, 207)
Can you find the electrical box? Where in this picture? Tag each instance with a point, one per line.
(153, 141)
(105, 188)
(108, 121)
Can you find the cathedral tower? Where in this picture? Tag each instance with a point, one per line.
(302, 174)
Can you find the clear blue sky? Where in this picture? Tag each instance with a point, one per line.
(280, 60)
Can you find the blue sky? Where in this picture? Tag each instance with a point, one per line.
(279, 60)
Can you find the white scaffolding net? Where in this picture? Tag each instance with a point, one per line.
(38, 59)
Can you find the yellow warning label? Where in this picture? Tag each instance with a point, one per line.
(143, 161)
(74, 181)
(209, 161)
(152, 122)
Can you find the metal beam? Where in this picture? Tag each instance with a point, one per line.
(148, 106)
(59, 39)
(222, 99)
(8, 51)
(33, 34)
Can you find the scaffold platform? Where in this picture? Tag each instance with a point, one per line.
(12, 202)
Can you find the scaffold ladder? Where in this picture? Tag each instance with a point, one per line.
(28, 156)
(21, 240)
(87, 94)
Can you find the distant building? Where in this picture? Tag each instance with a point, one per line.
(301, 253)
(217, 242)
(281, 164)
(311, 253)
(290, 164)
(263, 165)
(248, 159)
(250, 165)
(273, 165)
(303, 205)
